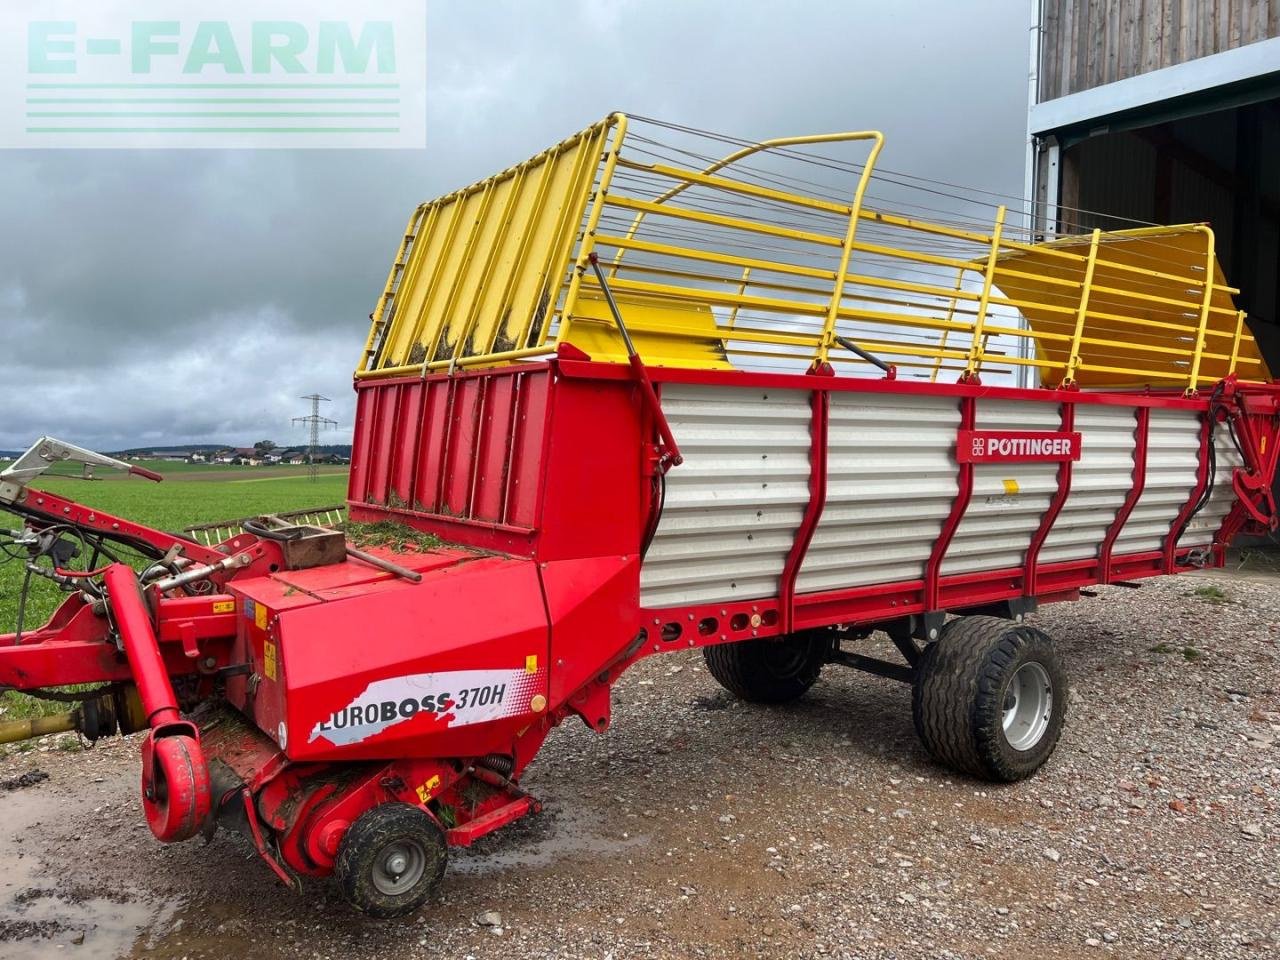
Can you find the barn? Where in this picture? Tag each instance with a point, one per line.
(1164, 111)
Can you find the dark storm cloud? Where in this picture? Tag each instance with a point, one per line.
(172, 296)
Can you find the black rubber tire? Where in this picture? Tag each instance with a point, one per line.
(958, 697)
(769, 671)
(364, 842)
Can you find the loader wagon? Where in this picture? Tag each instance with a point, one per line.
(654, 390)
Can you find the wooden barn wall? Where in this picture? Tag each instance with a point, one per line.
(1087, 43)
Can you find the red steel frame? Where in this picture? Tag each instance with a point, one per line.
(545, 476)
(788, 610)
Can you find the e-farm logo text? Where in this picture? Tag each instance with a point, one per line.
(213, 73)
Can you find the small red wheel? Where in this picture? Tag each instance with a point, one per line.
(175, 787)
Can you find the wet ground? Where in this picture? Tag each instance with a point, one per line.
(702, 827)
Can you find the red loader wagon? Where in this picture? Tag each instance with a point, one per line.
(652, 390)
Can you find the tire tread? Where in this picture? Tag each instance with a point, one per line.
(955, 703)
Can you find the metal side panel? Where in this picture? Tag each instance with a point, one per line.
(1009, 499)
(891, 482)
(733, 507)
(1205, 524)
(1100, 481)
(1173, 458)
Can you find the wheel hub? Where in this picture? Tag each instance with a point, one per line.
(399, 867)
(1028, 706)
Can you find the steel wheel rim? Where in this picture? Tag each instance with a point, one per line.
(787, 658)
(398, 867)
(1028, 706)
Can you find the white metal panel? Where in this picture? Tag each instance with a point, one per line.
(891, 481)
(1217, 70)
(1205, 524)
(1100, 481)
(1173, 457)
(1009, 499)
(733, 507)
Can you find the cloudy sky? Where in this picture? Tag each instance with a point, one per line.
(152, 297)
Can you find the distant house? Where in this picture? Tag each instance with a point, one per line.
(197, 457)
(294, 457)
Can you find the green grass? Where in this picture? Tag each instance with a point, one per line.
(1188, 653)
(1211, 594)
(394, 536)
(190, 494)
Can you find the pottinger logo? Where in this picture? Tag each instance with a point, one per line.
(1013, 446)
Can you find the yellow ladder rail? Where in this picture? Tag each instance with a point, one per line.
(976, 347)
(1073, 357)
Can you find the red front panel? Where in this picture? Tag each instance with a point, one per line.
(446, 667)
(459, 456)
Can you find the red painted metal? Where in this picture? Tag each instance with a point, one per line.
(61, 510)
(1139, 482)
(175, 776)
(473, 830)
(1202, 481)
(358, 687)
(964, 493)
(1029, 587)
(821, 402)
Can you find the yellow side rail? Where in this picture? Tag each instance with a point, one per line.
(759, 258)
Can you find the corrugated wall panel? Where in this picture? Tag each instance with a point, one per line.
(733, 507)
(1009, 499)
(1205, 524)
(1100, 481)
(891, 481)
(453, 447)
(1173, 456)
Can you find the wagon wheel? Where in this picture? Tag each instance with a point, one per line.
(769, 670)
(391, 860)
(990, 698)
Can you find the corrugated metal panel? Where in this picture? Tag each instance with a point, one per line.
(891, 481)
(733, 507)
(1173, 456)
(1100, 481)
(464, 448)
(1110, 168)
(1009, 499)
(1205, 524)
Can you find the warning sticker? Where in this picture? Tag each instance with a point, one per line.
(460, 697)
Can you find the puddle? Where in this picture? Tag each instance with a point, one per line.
(44, 908)
(546, 838)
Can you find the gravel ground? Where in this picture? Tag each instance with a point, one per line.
(701, 827)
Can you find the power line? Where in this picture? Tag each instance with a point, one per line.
(314, 422)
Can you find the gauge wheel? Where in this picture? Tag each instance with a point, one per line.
(769, 670)
(990, 698)
(391, 860)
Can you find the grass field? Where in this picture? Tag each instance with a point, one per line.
(190, 494)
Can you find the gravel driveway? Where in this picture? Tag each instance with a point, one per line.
(703, 827)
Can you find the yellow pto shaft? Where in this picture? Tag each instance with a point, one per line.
(12, 731)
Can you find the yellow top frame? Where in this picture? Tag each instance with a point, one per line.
(724, 262)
